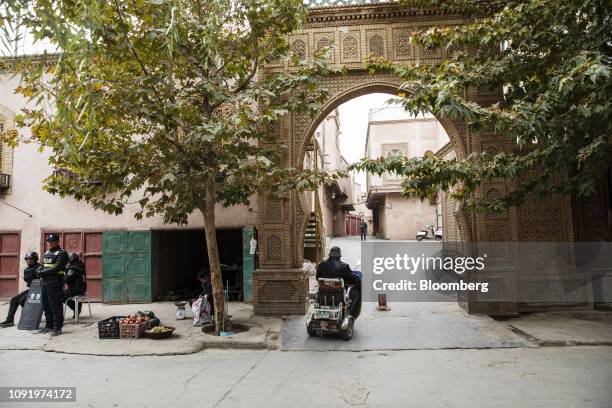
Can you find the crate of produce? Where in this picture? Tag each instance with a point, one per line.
(109, 328)
(134, 327)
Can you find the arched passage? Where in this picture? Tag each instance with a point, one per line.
(452, 214)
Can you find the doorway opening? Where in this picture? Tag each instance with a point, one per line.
(181, 254)
(360, 126)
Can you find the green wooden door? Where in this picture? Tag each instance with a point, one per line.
(138, 267)
(127, 267)
(248, 264)
(114, 289)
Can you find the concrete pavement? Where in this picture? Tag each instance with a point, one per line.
(408, 326)
(555, 377)
(82, 338)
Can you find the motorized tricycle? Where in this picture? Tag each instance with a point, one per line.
(330, 314)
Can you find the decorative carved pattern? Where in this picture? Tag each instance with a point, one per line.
(496, 236)
(490, 150)
(493, 195)
(273, 247)
(323, 42)
(541, 220)
(452, 51)
(377, 46)
(298, 47)
(278, 290)
(274, 210)
(401, 44)
(431, 53)
(350, 48)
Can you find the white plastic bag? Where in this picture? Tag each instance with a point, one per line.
(196, 308)
(201, 311)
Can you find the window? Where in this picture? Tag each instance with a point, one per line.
(394, 153)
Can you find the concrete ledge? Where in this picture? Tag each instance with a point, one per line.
(590, 328)
(83, 338)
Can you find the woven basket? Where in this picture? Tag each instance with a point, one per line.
(160, 336)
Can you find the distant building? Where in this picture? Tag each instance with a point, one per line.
(392, 132)
(332, 207)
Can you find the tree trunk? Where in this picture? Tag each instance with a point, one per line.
(208, 211)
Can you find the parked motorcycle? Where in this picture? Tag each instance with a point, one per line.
(436, 233)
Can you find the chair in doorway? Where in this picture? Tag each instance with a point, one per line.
(78, 299)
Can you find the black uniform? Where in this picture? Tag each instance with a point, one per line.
(52, 282)
(334, 268)
(29, 274)
(75, 279)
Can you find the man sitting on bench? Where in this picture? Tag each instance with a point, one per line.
(29, 274)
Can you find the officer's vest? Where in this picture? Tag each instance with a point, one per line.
(48, 261)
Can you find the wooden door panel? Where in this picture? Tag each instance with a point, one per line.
(139, 242)
(73, 242)
(114, 279)
(9, 264)
(139, 267)
(9, 243)
(93, 242)
(114, 242)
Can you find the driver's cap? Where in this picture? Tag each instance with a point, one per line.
(335, 251)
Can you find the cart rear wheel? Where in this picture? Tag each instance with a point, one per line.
(311, 331)
(347, 334)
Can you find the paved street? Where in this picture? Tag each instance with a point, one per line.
(408, 326)
(518, 377)
(415, 355)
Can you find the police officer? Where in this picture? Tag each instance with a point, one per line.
(52, 281)
(29, 274)
(74, 280)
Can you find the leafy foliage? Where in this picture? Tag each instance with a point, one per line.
(550, 62)
(182, 76)
(163, 102)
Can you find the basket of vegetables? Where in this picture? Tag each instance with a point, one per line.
(160, 332)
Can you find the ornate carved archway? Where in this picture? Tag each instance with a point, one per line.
(280, 286)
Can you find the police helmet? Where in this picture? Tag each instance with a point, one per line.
(73, 257)
(31, 255)
(53, 238)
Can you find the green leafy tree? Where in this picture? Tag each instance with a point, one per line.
(162, 103)
(551, 61)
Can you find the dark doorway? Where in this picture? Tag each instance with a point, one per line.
(180, 254)
(593, 214)
(593, 223)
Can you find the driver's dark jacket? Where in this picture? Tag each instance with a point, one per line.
(333, 268)
(54, 267)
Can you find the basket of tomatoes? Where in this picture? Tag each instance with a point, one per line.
(134, 326)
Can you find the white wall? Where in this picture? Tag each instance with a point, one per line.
(401, 218)
(30, 167)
